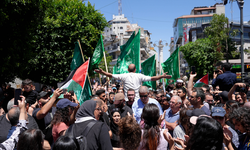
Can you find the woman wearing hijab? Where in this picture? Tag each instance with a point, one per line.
(114, 121)
(98, 136)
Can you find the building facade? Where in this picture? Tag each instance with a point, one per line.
(182, 25)
(122, 29)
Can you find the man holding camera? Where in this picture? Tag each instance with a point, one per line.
(225, 79)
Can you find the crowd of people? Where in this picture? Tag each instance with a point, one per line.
(130, 116)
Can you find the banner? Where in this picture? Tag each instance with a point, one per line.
(148, 68)
(97, 55)
(130, 55)
(171, 65)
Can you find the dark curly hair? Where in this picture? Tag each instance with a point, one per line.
(61, 115)
(151, 135)
(130, 133)
(242, 115)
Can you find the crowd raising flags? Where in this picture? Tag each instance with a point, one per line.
(78, 80)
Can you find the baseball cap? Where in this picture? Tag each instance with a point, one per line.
(118, 97)
(41, 94)
(114, 88)
(196, 112)
(218, 111)
(193, 119)
(65, 103)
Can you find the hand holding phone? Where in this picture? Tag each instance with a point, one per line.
(17, 96)
(193, 69)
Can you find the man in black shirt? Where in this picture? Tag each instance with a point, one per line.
(120, 103)
(29, 93)
(131, 97)
(45, 113)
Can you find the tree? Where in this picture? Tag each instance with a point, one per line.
(19, 21)
(65, 22)
(218, 33)
(205, 53)
(201, 54)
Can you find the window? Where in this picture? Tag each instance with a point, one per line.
(121, 27)
(114, 27)
(198, 20)
(190, 20)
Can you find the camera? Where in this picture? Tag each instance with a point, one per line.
(216, 71)
(241, 89)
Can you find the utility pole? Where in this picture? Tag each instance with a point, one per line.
(241, 4)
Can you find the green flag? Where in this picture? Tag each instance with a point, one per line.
(97, 55)
(171, 65)
(77, 60)
(123, 52)
(130, 55)
(124, 46)
(148, 68)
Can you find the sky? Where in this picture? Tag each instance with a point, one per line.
(157, 16)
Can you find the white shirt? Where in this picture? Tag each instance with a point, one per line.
(133, 81)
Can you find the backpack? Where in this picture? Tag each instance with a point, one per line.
(82, 140)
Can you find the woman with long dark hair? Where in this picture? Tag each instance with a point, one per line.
(152, 135)
(66, 143)
(184, 127)
(207, 135)
(31, 139)
(62, 118)
(114, 121)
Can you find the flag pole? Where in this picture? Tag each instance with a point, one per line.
(179, 60)
(104, 55)
(163, 84)
(84, 61)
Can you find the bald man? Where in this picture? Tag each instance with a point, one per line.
(132, 80)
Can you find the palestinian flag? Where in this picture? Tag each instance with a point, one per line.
(78, 82)
(202, 81)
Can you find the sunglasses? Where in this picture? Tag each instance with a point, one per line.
(99, 109)
(143, 95)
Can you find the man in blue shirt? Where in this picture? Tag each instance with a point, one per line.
(172, 113)
(226, 79)
(138, 105)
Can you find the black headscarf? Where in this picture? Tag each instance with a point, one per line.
(86, 109)
(113, 125)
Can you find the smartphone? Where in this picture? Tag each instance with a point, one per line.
(17, 96)
(64, 90)
(193, 69)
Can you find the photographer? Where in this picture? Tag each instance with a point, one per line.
(242, 89)
(224, 78)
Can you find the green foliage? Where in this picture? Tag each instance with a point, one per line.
(202, 55)
(18, 23)
(218, 31)
(205, 53)
(65, 22)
